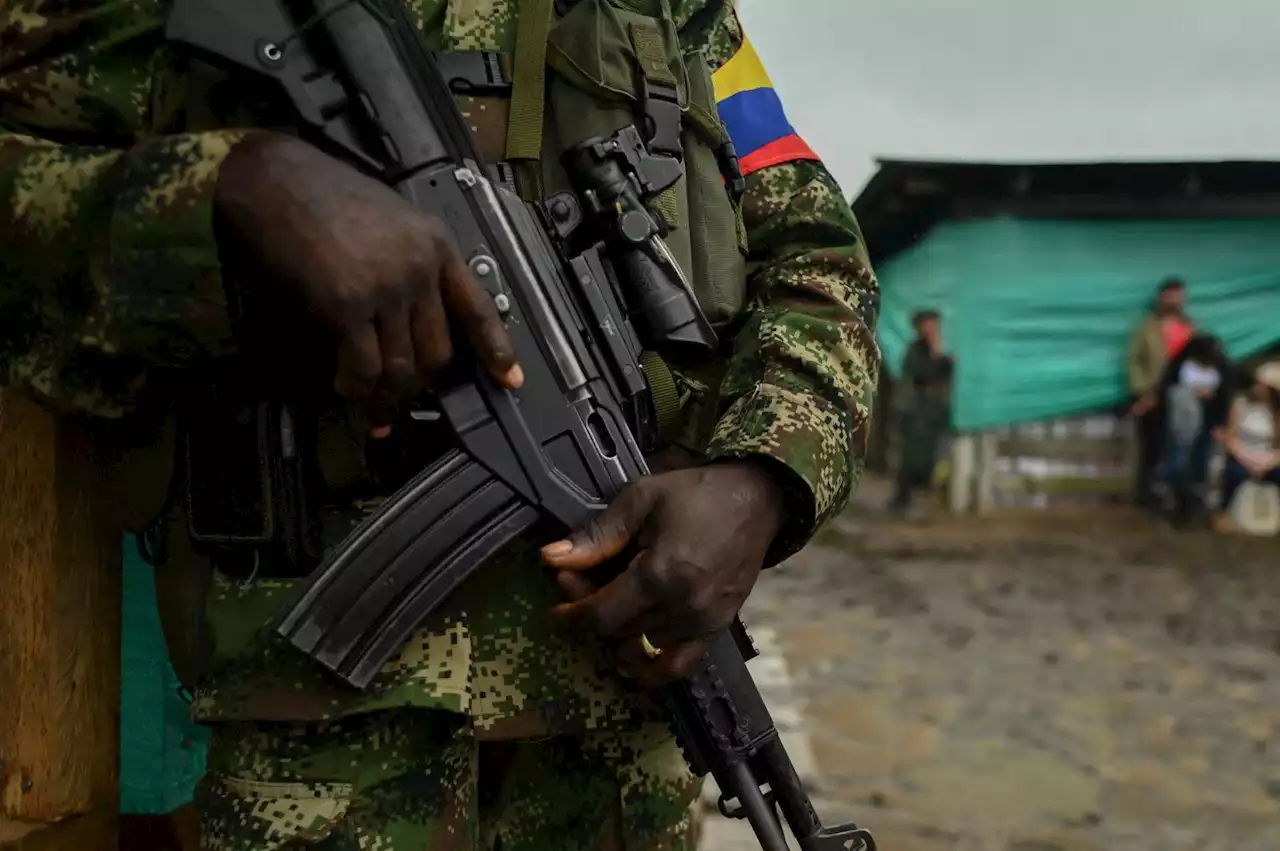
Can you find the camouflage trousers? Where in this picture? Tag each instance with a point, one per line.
(421, 779)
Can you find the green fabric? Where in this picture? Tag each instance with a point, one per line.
(1038, 313)
(666, 399)
(717, 239)
(651, 53)
(528, 92)
(717, 242)
(162, 753)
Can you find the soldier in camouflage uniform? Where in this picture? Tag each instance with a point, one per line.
(923, 408)
(126, 226)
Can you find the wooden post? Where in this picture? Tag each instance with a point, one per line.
(94, 832)
(964, 461)
(60, 551)
(988, 451)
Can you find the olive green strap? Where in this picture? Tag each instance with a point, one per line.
(706, 125)
(528, 93)
(646, 38)
(662, 388)
(651, 56)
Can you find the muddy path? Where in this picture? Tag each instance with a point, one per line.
(1087, 682)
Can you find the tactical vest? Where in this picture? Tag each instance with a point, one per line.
(584, 69)
(588, 68)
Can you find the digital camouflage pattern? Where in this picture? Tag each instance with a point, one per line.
(411, 782)
(110, 286)
(493, 657)
(804, 374)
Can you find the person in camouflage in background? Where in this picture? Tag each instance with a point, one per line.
(123, 224)
(923, 408)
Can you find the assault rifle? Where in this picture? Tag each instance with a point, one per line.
(568, 278)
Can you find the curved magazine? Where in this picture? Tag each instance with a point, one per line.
(357, 609)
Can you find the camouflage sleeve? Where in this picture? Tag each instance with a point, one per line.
(108, 267)
(803, 376)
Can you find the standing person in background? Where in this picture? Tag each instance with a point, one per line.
(924, 412)
(1251, 440)
(1158, 339)
(1196, 392)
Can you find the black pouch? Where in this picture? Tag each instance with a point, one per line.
(295, 485)
(249, 488)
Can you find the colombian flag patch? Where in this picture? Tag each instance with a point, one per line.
(753, 114)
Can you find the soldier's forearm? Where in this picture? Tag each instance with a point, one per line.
(804, 376)
(108, 266)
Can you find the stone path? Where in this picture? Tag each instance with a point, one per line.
(1086, 682)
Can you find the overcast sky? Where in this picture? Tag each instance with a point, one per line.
(1023, 79)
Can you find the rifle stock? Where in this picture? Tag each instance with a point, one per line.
(562, 446)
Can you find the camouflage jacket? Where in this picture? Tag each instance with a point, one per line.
(110, 280)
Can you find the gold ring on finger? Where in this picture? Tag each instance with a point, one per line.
(649, 650)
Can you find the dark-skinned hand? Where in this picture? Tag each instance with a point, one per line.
(386, 280)
(700, 536)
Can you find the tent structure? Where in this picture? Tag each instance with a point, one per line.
(1041, 270)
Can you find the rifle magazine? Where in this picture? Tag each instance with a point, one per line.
(360, 606)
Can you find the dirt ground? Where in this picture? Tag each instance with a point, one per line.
(1082, 682)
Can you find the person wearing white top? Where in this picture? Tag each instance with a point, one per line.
(1196, 403)
(1195, 386)
(1251, 439)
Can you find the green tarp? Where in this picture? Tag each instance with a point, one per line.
(161, 751)
(1038, 313)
